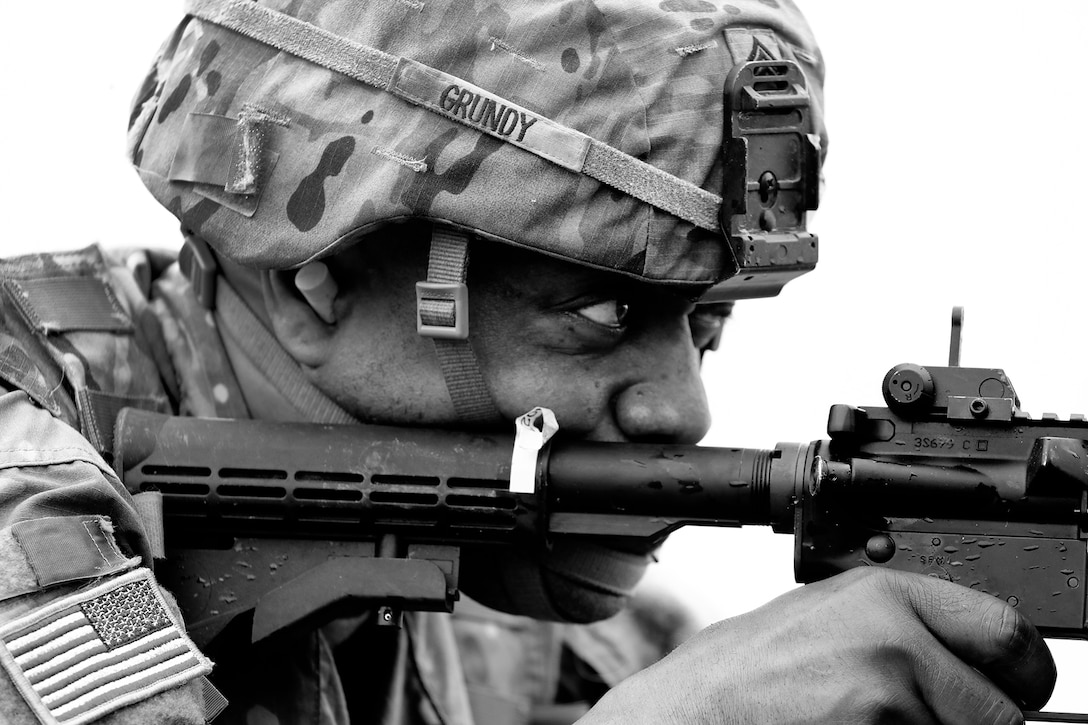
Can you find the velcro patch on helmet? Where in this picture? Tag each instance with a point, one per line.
(203, 156)
(457, 99)
(747, 44)
(250, 153)
(229, 159)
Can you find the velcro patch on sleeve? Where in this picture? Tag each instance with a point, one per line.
(62, 549)
(95, 651)
(64, 304)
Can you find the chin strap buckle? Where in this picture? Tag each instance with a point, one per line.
(442, 315)
(442, 310)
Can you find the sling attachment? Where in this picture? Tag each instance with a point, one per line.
(200, 268)
(532, 432)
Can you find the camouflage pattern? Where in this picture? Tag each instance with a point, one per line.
(207, 386)
(475, 666)
(80, 375)
(48, 469)
(168, 355)
(341, 158)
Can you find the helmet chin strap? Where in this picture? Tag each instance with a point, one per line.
(442, 315)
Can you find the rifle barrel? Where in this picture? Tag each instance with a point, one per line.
(681, 484)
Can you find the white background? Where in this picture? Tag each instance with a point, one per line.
(956, 176)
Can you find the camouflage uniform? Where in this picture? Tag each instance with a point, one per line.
(76, 344)
(590, 130)
(164, 352)
(275, 161)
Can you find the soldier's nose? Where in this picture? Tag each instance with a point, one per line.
(668, 406)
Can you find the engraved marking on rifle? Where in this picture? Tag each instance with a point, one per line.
(935, 567)
(935, 560)
(941, 442)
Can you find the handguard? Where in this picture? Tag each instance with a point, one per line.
(772, 162)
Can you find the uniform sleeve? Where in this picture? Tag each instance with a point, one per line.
(86, 635)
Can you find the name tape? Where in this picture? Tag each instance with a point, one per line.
(471, 105)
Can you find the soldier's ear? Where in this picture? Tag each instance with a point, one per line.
(302, 330)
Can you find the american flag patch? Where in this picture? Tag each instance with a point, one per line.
(95, 651)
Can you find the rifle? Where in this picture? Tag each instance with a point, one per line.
(284, 522)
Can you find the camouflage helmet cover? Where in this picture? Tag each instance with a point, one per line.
(337, 157)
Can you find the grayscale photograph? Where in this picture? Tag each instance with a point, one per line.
(542, 362)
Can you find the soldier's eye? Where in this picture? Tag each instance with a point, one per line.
(609, 313)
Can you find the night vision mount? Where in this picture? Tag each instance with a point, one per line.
(772, 161)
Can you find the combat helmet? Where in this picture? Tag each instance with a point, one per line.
(673, 141)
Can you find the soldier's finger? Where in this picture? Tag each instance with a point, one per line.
(987, 634)
(957, 694)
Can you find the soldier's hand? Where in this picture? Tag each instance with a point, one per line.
(868, 646)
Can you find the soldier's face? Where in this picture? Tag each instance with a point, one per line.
(615, 359)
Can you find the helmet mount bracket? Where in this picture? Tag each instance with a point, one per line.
(772, 178)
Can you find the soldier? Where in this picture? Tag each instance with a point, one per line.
(573, 151)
